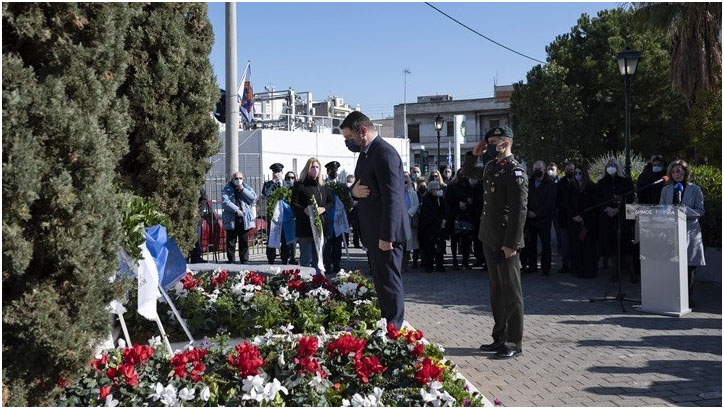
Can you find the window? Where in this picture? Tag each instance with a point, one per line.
(413, 133)
(493, 123)
(450, 128)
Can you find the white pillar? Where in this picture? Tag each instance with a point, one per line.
(232, 104)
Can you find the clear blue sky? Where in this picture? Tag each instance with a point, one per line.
(358, 50)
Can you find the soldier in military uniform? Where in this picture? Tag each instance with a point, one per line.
(332, 252)
(501, 231)
(267, 189)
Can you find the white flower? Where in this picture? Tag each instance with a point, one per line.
(362, 290)
(321, 293)
(348, 289)
(435, 385)
(280, 360)
(342, 275)
(121, 343)
(154, 341)
(382, 324)
(116, 307)
(167, 394)
(362, 302)
(272, 388)
(440, 348)
(253, 383)
(306, 275)
(447, 399)
(110, 402)
(318, 383)
(372, 400)
(287, 328)
(205, 394)
(186, 394)
(322, 337)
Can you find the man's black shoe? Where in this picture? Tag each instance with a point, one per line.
(494, 347)
(506, 353)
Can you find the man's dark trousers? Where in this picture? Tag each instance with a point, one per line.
(506, 298)
(332, 253)
(388, 285)
(231, 236)
(542, 230)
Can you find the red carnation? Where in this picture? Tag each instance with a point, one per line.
(193, 357)
(189, 283)
(129, 373)
(255, 279)
(319, 280)
(296, 283)
(247, 360)
(310, 365)
(137, 354)
(418, 350)
(345, 345)
(392, 331)
(105, 391)
(427, 371)
(220, 278)
(413, 336)
(307, 347)
(99, 363)
(367, 367)
(111, 373)
(197, 371)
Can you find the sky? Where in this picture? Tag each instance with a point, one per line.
(358, 51)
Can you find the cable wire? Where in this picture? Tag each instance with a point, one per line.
(482, 35)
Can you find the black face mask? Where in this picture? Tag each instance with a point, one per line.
(538, 173)
(422, 190)
(352, 145)
(569, 175)
(332, 175)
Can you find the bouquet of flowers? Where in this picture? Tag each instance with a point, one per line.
(280, 193)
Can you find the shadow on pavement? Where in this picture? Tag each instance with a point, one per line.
(654, 323)
(710, 344)
(678, 391)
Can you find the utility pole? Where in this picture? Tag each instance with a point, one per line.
(232, 103)
(404, 104)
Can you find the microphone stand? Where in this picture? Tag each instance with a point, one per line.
(620, 296)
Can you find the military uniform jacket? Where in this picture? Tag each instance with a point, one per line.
(505, 202)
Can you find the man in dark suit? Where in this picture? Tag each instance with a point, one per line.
(384, 223)
(541, 204)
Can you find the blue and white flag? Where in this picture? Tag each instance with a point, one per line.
(245, 96)
(282, 225)
(147, 285)
(340, 222)
(170, 262)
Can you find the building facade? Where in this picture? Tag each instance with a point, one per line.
(481, 114)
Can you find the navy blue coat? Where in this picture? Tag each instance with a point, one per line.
(382, 214)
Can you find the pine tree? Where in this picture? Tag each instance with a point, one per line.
(64, 132)
(172, 91)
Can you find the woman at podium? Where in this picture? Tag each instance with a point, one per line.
(680, 191)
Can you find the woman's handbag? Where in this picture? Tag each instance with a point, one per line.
(462, 226)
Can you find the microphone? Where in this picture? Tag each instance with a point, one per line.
(664, 179)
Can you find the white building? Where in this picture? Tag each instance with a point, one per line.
(480, 115)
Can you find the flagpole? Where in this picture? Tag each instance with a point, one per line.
(232, 115)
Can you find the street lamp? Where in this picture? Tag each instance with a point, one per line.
(438, 127)
(628, 61)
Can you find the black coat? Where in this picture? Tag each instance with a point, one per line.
(541, 201)
(561, 192)
(382, 214)
(302, 193)
(459, 191)
(433, 211)
(575, 201)
(650, 194)
(607, 188)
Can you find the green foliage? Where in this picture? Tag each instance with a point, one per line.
(139, 214)
(704, 127)
(339, 316)
(171, 90)
(307, 316)
(64, 130)
(573, 108)
(280, 193)
(596, 166)
(342, 192)
(709, 179)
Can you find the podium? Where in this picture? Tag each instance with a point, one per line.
(664, 278)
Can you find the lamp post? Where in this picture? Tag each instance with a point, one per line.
(627, 62)
(438, 127)
(404, 104)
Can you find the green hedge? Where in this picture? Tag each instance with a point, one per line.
(708, 178)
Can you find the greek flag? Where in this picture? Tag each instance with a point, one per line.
(245, 96)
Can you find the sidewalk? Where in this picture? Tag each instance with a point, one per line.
(576, 353)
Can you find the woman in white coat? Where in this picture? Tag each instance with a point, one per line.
(680, 191)
(413, 209)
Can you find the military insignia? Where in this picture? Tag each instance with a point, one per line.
(518, 173)
(497, 132)
(503, 162)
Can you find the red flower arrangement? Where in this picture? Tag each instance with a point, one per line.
(310, 365)
(392, 331)
(427, 371)
(345, 345)
(247, 360)
(255, 279)
(181, 361)
(100, 363)
(137, 354)
(105, 391)
(367, 367)
(129, 373)
(319, 280)
(220, 278)
(413, 336)
(189, 283)
(296, 283)
(307, 347)
(418, 350)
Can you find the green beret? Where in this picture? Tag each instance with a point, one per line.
(499, 131)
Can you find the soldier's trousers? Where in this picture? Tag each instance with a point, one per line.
(506, 298)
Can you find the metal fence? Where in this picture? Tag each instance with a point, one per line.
(215, 183)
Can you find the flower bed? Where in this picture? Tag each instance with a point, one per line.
(381, 367)
(247, 304)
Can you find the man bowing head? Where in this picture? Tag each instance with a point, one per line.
(384, 224)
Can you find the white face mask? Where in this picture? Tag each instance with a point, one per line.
(438, 193)
(611, 170)
(551, 172)
(237, 182)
